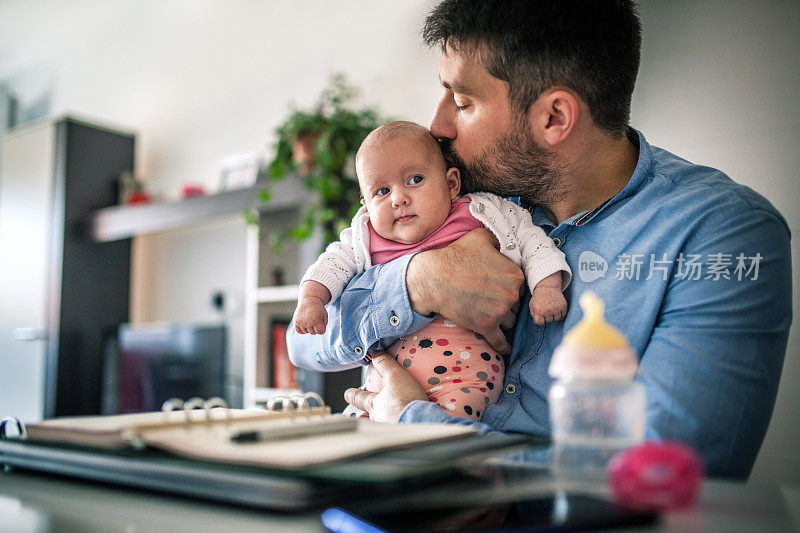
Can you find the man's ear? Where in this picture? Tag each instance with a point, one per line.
(553, 116)
(453, 178)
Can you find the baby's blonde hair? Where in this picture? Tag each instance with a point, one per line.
(401, 128)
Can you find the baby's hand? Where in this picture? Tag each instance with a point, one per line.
(548, 304)
(310, 316)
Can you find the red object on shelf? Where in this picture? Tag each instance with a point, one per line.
(138, 198)
(191, 191)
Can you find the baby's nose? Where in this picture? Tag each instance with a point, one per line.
(399, 199)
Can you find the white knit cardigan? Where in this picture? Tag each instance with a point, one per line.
(520, 240)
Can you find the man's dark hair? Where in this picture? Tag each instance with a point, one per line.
(590, 46)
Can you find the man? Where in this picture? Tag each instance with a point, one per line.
(693, 268)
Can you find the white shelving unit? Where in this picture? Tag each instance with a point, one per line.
(282, 293)
(265, 303)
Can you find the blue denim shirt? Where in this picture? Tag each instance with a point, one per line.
(694, 269)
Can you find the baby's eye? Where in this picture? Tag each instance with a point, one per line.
(416, 179)
(383, 191)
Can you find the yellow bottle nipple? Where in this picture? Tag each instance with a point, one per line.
(593, 331)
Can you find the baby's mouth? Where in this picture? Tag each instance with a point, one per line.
(405, 218)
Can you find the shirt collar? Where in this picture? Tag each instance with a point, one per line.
(641, 174)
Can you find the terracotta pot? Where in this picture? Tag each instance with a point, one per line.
(304, 152)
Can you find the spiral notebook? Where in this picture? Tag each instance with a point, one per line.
(293, 433)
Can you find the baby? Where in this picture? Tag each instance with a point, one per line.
(410, 204)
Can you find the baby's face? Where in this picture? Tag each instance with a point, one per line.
(407, 192)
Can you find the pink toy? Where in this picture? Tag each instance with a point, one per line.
(656, 476)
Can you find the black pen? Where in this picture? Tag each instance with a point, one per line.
(295, 428)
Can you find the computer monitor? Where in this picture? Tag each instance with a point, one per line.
(152, 363)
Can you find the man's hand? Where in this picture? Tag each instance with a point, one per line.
(470, 283)
(399, 390)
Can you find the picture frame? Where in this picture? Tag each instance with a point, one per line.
(239, 171)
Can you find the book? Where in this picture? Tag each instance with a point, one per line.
(284, 373)
(299, 435)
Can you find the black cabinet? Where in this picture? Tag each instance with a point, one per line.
(78, 289)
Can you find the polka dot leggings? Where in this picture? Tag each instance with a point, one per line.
(458, 369)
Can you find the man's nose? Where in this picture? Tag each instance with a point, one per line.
(442, 121)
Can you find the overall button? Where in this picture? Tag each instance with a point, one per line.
(511, 389)
(511, 246)
(358, 350)
(481, 208)
(394, 320)
(557, 242)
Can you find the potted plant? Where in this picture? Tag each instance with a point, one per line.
(318, 147)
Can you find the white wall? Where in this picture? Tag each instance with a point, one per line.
(720, 86)
(201, 79)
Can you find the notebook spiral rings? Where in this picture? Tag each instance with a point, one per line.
(293, 405)
(295, 402)
(11, 420)
(177, 404)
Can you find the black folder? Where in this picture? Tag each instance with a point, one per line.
(384, 473)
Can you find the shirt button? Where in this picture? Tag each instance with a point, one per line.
(394, 320)
(511, 389)
(511, 246)
(481, 208)
(358, 350)
(557, 241)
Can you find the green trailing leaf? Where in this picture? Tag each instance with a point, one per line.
(327, 214)
(276, 239)
(250, 216)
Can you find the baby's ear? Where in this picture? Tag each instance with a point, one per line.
(453, 178)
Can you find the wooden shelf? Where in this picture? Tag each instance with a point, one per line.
(283, 293)
(122, 222)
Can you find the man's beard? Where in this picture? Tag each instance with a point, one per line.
(514, 166)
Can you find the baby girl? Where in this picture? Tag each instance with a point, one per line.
(411, 204)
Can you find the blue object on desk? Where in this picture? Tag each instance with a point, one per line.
(342, 522)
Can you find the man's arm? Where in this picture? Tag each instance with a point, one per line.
(713, 363)
(470, 283)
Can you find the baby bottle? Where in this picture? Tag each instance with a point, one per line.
(596, 409)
